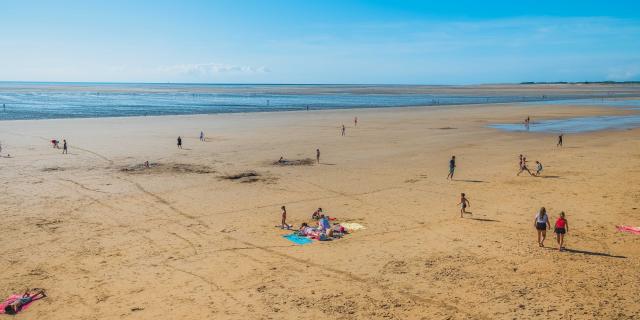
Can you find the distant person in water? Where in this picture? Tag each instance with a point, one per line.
(318, 155)
(355, 121)
(64, 147)
(541, 223)
(201, 136)
(464, 203)
(559, 141)
(343, 130)
(452, 167)
(538, 168)
(284, 224)
(560, 229)
(523, 167)
(179, 142)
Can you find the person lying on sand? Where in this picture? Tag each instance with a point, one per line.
(27, 297)
(464, 202)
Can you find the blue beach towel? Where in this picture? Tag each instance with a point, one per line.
(297, 239)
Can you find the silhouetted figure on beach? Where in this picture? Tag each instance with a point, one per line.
(64, 146)
(464, 203)
(179, 142)
(452, 167)
(201, 136)
(560, 140)
(343, 130)
(355, 121)
(318, 155)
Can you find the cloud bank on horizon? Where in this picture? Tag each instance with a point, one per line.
(319, 42)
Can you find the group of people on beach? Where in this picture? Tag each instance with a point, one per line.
(323, 231)
(523, 167)
(55, 143)
(561, 227)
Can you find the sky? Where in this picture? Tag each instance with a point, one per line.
(305, 41)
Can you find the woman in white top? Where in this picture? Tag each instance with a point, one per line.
(541, 223)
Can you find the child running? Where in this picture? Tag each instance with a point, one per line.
(541, 223)
(538, 168)
(464, 203)
(561, 228)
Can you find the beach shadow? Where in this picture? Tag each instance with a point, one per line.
(473, 181)
(589, 253)
(485, 220)
(550, 177)
(327, 164)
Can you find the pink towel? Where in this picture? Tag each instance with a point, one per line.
(634, 230)
(10, 300)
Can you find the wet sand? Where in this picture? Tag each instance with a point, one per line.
(179, 241)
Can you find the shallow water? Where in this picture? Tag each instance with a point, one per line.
(575, 125)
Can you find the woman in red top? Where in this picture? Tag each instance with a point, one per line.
(561, 227)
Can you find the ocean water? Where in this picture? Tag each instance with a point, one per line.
(19, 100)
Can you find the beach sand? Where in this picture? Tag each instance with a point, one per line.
(110, 240)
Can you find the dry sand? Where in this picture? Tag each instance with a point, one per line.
(178, 241)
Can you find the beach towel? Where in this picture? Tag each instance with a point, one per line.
(634, 230)
(351, 226)
(297, 239)
(12, 299)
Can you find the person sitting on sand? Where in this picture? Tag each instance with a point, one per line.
(538, 168)
(560, 229)
(464, 202)
(316, 215)
(28, 297)
(284, 224)
(523, 167)
(541, 223)
(281, 160)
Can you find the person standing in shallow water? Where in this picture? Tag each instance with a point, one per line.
(318, 156)
(452, 167)
(559, 140)
(179, 142)
(64, 146)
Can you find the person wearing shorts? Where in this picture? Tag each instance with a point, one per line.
(464, 203)
(541, 223)
(452, 167)
(560, 229)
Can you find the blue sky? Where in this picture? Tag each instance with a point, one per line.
(401, 42)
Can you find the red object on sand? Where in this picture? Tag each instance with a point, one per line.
(634, 230)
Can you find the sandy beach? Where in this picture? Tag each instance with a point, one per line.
(110, 239)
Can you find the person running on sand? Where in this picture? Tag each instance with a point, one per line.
(318, 155)
(284, 224)
(560, 229)
(464, 203)
(343, 130)
(541, 223)
(64, 146)
(452, 167)
(179, 142)
(523, 167)
(559, 140)
(28, 297)
(538, 168)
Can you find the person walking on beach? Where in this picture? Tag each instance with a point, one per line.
(452, 167)
(343, 130)
(318, 156)
(64, 146)
(560, 229)
(559, 141)
(464, 203)
(179, 142)
(201, 136)
(541, 223)
(355, 121)
(284, 224)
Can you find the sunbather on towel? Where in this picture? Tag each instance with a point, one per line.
(27, 297)
(307, 231)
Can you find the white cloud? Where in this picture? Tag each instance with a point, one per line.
(210, 69)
